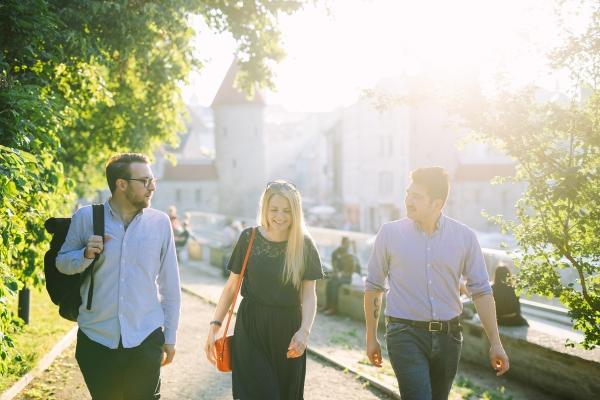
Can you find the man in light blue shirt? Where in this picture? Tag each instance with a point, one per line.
(130, 330)
(422, 259)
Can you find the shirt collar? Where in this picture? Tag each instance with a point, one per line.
(439, 226)
(115, 214)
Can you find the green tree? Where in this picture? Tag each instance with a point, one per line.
(81, 79)
(556, 146)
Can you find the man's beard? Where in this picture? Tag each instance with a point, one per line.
(136, 202)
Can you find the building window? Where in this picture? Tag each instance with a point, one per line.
(234, 163)
(390, 146)
(381, 146)
(386, 183)
(224, 131)
(178, 195)
(198, 195)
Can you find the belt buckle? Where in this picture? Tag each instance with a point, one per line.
(435, 326)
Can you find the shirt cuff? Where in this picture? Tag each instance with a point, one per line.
(475, 293)
(371, 286)
(170, 336)
(84, 262)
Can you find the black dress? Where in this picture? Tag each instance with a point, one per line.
(269, 315)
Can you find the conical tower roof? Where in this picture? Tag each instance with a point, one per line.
(229, 95)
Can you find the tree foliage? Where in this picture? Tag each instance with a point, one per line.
(81, 79)
(556, 145)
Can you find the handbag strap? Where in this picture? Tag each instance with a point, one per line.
(239, 284)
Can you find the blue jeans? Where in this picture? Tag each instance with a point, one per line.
(424, 362)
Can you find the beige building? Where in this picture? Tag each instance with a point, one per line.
(374, 152)
(191, 182)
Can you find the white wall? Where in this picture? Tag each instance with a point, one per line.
(374, 163)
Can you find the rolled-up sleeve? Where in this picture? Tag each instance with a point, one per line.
(475, 271)
(169, 286)
(378, 265)
(70, 259)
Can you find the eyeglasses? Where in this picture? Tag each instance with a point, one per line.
(280, 184)
(146, 181)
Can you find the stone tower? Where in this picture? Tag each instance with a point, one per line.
(240, 147)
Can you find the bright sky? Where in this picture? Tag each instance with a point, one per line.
(332, 57)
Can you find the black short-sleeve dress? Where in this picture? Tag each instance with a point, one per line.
(269, 315)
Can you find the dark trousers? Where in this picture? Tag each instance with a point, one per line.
(121, 374)
(424, 362)
(333, 287)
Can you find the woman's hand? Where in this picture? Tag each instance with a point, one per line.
(298, 344)
(209, 346)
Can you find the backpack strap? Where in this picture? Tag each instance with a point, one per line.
(98, 220)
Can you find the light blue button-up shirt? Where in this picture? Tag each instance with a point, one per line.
(423, 271)
(136, 278)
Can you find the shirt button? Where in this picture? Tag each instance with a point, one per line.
(429, 265)
(122, 279)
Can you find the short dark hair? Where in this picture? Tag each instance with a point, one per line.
(435, 181)
(118, 167)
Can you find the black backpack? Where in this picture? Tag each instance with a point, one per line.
(64, 289)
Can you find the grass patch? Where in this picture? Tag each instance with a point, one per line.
(45, 328)
(347, 340)
(386, 369)
(467, 390)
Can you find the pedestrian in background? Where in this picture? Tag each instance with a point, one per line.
(508, 307)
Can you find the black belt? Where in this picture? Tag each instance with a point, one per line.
(431, 326)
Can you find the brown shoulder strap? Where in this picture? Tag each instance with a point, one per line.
(239, 284)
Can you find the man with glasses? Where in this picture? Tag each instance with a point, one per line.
(421, 260)
(130, 330)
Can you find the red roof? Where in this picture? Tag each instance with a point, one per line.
(228, 94)
(482, 172)
(190, 172)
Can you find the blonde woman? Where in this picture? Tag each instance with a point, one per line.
(279, 301)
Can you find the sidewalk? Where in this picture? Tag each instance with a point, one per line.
(341, 341)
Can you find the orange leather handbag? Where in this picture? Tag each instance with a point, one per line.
(223, 345)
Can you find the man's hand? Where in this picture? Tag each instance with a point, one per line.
(94, 246)
(498, 359)
(374, 352)
(168, 354)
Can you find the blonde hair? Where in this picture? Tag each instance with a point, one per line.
(294, 258)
